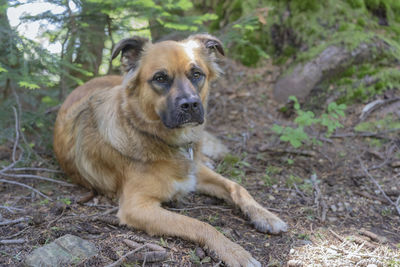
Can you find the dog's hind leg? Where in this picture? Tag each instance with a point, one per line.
(146, 214)
(211, 183)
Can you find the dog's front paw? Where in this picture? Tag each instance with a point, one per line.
(232, 254)
(266, 222)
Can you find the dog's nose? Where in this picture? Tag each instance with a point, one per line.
(189, 104)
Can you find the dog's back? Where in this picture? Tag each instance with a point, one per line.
(67, 119)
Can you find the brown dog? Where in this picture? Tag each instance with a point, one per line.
(140, 137)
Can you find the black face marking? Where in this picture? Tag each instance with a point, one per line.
(161, 82)
(196, 77)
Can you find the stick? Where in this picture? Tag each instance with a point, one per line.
(11, 209)
(373, 236)
(366, 195)
(396, 205)
(35, 169)
(16, 134)
(336, 235)
(12, 241)
(110, 211)
(31, 176)
(125, 256)
(26, 186)
(13, 221)
(201, 207)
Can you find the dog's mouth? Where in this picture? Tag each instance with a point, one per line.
(179, 120)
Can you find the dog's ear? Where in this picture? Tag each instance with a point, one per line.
(131, 49)
(211, 43)
(214, 51)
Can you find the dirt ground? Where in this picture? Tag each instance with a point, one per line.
(337, 215)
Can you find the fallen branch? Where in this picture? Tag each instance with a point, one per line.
(125, 257)
(11, 209)
(373, 236)
(26, 186)
(10, 222)
(38, 177)
(12, 241)
(158, 254)
(395, 204)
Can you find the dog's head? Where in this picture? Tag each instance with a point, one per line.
(169, 80)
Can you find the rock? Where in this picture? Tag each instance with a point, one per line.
(333, 208)
(66, 250)
(330, 62)
(200, 253)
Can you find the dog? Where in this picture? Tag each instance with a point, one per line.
(140, 137)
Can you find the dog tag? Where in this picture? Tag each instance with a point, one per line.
(190, 152)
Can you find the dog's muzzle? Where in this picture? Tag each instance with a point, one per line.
(187, 111)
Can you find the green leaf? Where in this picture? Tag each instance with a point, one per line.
(28, 85)
(277, 129)
(3, 69)
(296, 102)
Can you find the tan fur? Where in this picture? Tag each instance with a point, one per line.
(109, 137)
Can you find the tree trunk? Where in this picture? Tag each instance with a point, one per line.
(91, 35)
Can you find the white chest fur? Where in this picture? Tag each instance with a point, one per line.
(187, 185)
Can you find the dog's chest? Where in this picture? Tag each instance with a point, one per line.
(184, 186)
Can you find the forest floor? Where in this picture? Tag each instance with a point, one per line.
(326, 193)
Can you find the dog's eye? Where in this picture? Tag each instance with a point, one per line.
(196, 75)
(160, 78)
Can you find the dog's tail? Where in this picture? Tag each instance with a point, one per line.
(212, 147)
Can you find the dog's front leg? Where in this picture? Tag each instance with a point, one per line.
(211, 183)
(145, 213)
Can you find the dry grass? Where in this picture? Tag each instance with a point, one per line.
(331, 252)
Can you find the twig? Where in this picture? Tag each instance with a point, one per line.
(110, 211)
(26, 186)
(365, 134)
(18, 233)
(35, 169)
(373, 236)
(11, 209)
(307, 153)
(366, 195)
(200, 207)
(31, 176)
(16, 134)
(218, 264)
(56, 219)
(12, 241)
(10, 222)
(319, 201)
(125, 256)
(396, 205)
(298, 191)
(336, 235)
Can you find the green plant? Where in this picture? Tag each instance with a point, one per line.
(296, 136)
(233, 167)
(268, 178)
(66, 201)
